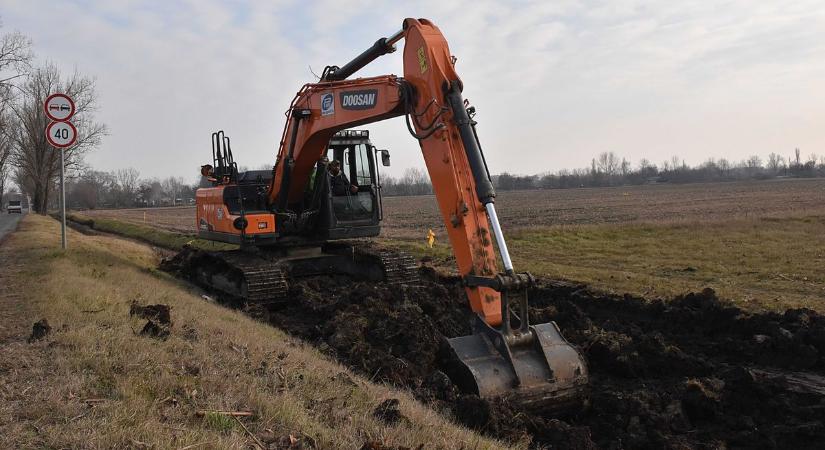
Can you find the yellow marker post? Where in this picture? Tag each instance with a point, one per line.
(430, 238)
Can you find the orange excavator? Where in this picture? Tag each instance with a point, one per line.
(297, 220)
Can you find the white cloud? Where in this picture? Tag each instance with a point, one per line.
(555, 83)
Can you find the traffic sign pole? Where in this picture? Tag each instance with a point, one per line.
(62, 198)
(61, 134)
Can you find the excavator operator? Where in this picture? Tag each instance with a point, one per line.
(338, 182)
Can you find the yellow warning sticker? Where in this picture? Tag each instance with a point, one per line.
(422, 59)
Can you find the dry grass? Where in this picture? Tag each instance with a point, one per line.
(149, 234)
(760, 264)
(146, 391)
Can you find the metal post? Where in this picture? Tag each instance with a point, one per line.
(62, 198)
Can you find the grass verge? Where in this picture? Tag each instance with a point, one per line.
(150, 235)
(96, 382)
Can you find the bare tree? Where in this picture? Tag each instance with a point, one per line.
(675, 162)
(608, 163)
(4, 175)
(127, 182)
(775, 162)
(5, 150)
(644, 163)
(38, 163)
(92, 189)
(625, 167)
(724, 167)
(172, 188)
(753, 164)
(15, 59)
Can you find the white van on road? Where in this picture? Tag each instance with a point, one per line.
(14, 206)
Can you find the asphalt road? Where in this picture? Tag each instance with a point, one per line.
(8, 222)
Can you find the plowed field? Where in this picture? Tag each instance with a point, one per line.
(410, 217)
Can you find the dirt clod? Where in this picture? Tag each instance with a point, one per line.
(159, 321)
(159, 313)
(388, 412)
(154, 330)
(40, 329)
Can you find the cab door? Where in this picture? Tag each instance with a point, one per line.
(356, 213)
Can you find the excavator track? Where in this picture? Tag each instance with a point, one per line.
(399, 268)
(265, 281)
(263, 277)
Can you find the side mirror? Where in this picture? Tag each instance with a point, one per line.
(385, 158)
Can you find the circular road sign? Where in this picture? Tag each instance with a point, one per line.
(59, 107)
(61, 134)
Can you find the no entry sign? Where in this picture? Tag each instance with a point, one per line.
(59, 107)
(61, 134)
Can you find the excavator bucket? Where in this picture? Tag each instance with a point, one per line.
(534, 365)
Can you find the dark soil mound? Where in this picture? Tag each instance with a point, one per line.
(159, 319)
(40, 329)
(693, 372)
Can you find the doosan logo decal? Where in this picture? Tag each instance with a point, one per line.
(327, 104)
(359, 99)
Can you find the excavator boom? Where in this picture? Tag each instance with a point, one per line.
(505, 355)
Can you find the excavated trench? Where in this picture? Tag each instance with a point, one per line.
(692, 372)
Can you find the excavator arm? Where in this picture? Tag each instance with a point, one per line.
(505, 353)
(454, 161)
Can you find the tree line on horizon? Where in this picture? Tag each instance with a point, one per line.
(124, 188)
(608, 169)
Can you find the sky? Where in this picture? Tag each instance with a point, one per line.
(554, 83)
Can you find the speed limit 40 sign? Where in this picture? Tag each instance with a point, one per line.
(61, 134)
(60, 108)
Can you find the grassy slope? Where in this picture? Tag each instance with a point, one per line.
(758, 263)
(150, 235)
(148, 390)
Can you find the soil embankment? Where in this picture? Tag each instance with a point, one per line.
(99, 350)
(693, 372)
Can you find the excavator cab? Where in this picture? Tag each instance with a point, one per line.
(355, 209)
(357, 205)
